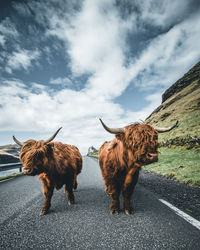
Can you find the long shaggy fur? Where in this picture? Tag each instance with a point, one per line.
(55, 163)
(121, 159)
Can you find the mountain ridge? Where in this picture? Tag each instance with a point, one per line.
(192, 75)
(180, 102)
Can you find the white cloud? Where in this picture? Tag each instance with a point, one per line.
(76, 111)
(95, 42)
(7, 28)
(24, 110)
(168, 56)
(2, 40)
(21, 59)
(7, 31)
(61, 81)
(162, 13)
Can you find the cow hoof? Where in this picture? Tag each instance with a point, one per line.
(114, 211)
(128, 211)
(71, 202)
(43, 212)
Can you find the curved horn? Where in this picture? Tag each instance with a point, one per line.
(18, 142)
(112, 130)
(162, 130)
(52, 137)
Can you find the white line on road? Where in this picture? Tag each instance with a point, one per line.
(185, 216)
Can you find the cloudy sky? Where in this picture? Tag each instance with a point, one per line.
(67, 63)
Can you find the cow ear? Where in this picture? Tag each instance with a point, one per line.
(119, 136)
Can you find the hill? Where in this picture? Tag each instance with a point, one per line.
(180, 148)
(9, 153)
(180, 102)
(92, 152)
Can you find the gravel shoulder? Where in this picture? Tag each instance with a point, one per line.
(184, 197)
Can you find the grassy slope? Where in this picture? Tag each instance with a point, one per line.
(182, 165)
(179, 164)
(185, 108)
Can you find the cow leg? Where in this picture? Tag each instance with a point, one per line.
(70, 194)
(113, 189)
(48, 192)
(128, 188)
(75, 184)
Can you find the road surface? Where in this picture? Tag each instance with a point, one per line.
(88, 223)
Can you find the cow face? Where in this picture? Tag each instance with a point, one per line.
(34, 157)
(140, 143)
(35, 154)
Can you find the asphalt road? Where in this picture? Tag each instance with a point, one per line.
(88, 223)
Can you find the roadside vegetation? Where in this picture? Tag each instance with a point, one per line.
(180, 148)
(5, 177)
(179, 164)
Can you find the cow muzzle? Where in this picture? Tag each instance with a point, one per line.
(28, 171)
(152, 157)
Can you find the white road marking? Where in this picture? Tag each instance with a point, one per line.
(185, 216)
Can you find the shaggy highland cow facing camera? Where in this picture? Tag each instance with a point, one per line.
(120, 160)
(57, 164)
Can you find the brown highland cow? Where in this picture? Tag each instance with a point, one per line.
(120, 160)
(57, 164)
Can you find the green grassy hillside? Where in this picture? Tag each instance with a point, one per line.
(180, 156)
(183, 106)
(178, 164)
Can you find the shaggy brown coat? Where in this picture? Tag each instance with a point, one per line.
(57, 164)
(120, 161)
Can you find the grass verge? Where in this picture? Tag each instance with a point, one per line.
(2, 178)
(178, 164)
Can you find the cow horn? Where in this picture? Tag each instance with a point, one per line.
(112, 130)
(162, 130)
(18, 142)
(52, 137)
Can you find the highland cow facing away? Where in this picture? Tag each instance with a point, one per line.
(120, 160)
(57, 164)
